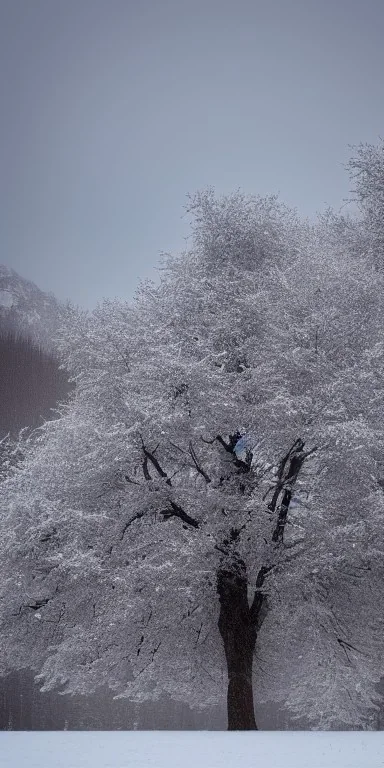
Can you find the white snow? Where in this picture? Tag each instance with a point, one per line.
(7, 299)
(191, 749)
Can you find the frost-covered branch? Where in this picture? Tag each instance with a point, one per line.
(197, 464)
(176, 511)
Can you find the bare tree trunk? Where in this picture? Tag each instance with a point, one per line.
(239, 622)
(238, 631)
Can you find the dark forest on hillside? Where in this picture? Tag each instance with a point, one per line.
(31, 384)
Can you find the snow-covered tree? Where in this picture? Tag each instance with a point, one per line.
(209, 506)
(366, 168)
(11, 455)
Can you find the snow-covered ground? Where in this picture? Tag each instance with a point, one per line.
(199, 749)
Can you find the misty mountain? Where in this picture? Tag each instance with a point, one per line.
(31, 381)
(27, 311)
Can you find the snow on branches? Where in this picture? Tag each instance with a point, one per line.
(216, 476)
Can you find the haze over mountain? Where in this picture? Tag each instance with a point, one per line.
(28, 311)
(31, 382)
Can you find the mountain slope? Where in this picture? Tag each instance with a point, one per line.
(26, 310)
(31, 382)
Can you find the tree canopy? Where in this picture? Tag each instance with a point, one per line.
(226, 432)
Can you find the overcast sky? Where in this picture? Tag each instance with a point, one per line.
(113, 110)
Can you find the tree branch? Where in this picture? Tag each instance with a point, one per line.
(177, 511)
(129, 522)
(298, 445)
(145, 469)
(207, 442)
(149, 456)
(197, 465)
(258, 609)
(296, 457)
(285, 481)
(233, 440)
(244, 466)
(129, 480)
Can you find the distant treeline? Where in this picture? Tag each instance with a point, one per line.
(23, 708)
(31, 383)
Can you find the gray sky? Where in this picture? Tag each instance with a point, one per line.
(112, 110)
